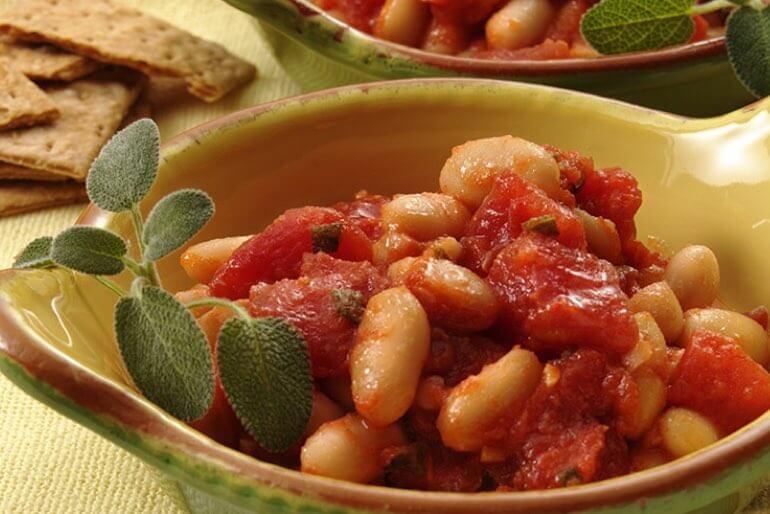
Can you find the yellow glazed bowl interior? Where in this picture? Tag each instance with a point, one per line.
(704, 181)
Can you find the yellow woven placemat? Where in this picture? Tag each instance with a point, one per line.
(47, 462)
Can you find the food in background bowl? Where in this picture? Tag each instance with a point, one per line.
(486, 29)
(507, 333)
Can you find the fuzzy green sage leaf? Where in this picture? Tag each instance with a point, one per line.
(620, 26)
(89, 250)
(748, 47)
(165, 352)
(36, 254)
(174, 220)
(125, 169)
(265, 370)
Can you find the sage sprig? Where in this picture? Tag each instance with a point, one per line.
(620, 26)
(264, 363)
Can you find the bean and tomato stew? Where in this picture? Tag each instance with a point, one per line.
(485, 29)
(509, 332)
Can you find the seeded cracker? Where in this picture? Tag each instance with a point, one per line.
(21, 196)
(22, 103)
(111, 32)
(45, 62)
(91, 110)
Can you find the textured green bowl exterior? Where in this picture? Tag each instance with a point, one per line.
(56, 339)
(318, 54)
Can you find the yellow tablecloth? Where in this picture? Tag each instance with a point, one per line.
(47, 462)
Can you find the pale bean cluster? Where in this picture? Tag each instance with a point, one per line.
(360, 416)
(513, 29)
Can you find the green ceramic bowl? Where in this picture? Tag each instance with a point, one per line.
(319, 51)
(704, 181)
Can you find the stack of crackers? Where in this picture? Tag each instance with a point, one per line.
(71, 72)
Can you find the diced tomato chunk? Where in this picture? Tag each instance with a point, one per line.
(573, 168)
(545, 51)
(566, 24)
(701, 29)
(564, 436)
(432, 468)
(611, 193)
(309, 304)
(467, 12)
(759, 314)
(512, 201)
(455, 357)
(276, 252)
(358, 13)
(560, 297)
(719, 380)
(364, 212)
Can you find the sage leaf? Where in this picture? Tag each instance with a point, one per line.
(37, 254)
(265, 371)
(620, 26)
(349, 303)
(545, 225)
(125, 169)
(174, 220)
(748, 47)
(326, 238)
(89, 250)
(165, 352)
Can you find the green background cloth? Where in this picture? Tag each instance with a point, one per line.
(49, 463)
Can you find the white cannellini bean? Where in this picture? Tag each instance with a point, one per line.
(392, 246)
(500, 389)
(650, 350)
(324, 410)
(392, 345)
(684, 431)
(746, 332)
(444, 248)
(201, 261)
(693, 274)
(519, 23)
(348, 449)
(403, 21)
(454, 297)
(425, 216)
(652, 400)
(660, 301)
(471, 170)
(602, 237)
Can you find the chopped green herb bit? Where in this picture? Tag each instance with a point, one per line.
(545, 225)
(326, 238)
(349, 303)
(570, 476)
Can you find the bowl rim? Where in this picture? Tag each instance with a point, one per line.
(633, 60)
(100, 396)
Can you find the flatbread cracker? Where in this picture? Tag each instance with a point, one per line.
(91, 110)
(13, 172)
(22, 103)
(46, 62)
(23, 196)
(111, 32)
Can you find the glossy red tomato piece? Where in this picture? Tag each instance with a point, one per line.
(359, 13)
(759, 314)
(455, 357)
(566, 25)
(719, 380)
(276, 252)
(564, 436)
(611, 193)
(466, 12)
(361, 276)
(573, 168)
(560, 297)
(308, 304)
(545, 51)
(432, 468)
(511, 202)
(364, 212)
